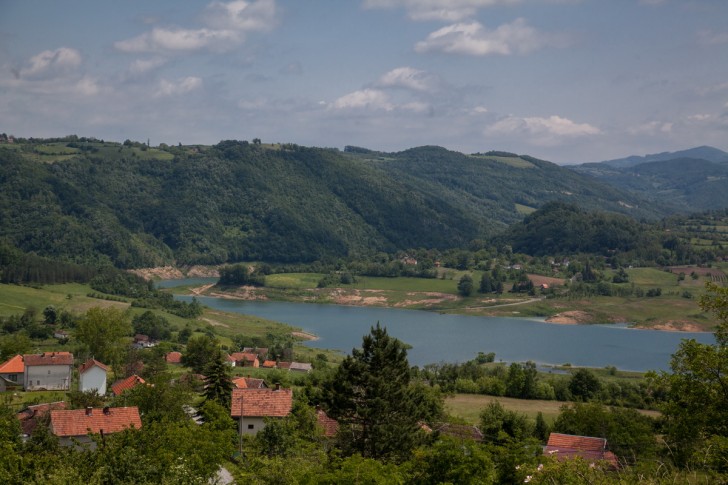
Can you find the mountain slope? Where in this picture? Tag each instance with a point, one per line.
(703, 153)
(133, 206)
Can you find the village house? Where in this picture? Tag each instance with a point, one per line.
(245, 359)
(122, 385)
(49, 371)
(73, 427)
(592, 450)
(173, 357)
(11, 372)
(143, 342)
(250, 407)
(249, 383)
(261, 352)
(31, 415)
(300, 367)
(329, 426)
(92, 376)
(61, 335)
(269, 364)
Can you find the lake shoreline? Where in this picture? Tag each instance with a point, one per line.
(571, 317)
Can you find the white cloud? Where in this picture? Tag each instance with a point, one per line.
(50, 63)
(242, 15)
(364, 99)
(472, 38)
(652, 128)
(140, 66)
(226, 26)
(446, 10)
(700, 117)
(541, 131)
(181, 86)
(171, 40)
(409, 78)
(709, 37)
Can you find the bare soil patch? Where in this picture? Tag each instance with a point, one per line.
(674, 326)
(573, 317)
(305, 335)
(539, 280)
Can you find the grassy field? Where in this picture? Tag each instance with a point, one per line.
(469, 406)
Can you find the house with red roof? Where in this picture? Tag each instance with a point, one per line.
(173, 357)
(269, 364)
(74, 426)
(49, 371)
(12, 370)
(122, 385)
(250, 407)
(249, 383)
(566, 446)
(31, 415)
(92, 376)
(329, 426)
(245, 359)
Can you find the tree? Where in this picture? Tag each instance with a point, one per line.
(486, 283)
(219, 385)
(152, 325)
(199, 352)
(50, 314)
(101, 331)
(584, 385)
(465, 285)
(371, 398)
(696, 408)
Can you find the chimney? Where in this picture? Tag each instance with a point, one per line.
(278, 387)
(107, 410)
(89, 410)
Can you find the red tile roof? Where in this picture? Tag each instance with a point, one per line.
(564, 446)
(91, 363)
(580, 443)
(29, 416)
(269, 364)
(49, 358)
(261, 402)
(284, 365)
(240, 383)
(79, 422)
(125, 384)
(14, 365)
(174, 357)
(329, 425)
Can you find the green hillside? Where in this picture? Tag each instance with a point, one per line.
(90, 201)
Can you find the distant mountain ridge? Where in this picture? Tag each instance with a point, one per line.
(702, 153)
(685, 181)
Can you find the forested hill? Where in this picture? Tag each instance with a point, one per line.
(86, 200)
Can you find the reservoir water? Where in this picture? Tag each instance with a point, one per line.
(436, 337)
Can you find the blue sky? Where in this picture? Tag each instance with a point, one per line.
(563, 80)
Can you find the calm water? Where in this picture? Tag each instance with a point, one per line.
(438, 337)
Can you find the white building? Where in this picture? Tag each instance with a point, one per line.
(92, 375)
(49, 371)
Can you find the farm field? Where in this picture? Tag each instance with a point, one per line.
(469, 406)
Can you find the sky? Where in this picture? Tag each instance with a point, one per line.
(568, 81)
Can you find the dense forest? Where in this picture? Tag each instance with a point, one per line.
(129, 205)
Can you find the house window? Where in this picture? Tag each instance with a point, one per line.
(13, 377)
(251, 426)
(37, 383)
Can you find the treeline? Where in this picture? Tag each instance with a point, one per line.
(524, 381)
(20, 268)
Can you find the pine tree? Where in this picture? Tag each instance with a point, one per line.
(219, 385)
(371, 398)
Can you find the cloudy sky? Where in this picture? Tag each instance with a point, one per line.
(563, 80)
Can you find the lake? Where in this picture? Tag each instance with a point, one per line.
(436, 337)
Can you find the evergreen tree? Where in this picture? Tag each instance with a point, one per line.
(465, 285)
(219, 385)
(371, 398)
(486, 283)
